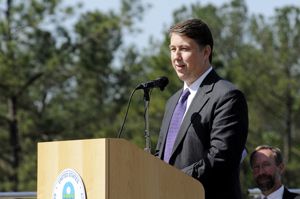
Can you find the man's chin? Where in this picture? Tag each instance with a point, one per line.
(181, 76)
(264, 187)
(265, 184)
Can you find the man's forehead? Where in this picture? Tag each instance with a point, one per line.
(264, 154)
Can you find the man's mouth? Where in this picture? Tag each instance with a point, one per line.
(180, 65)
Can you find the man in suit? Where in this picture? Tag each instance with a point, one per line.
(207, 143)
(267, 167)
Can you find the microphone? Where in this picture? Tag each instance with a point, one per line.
(160, 82)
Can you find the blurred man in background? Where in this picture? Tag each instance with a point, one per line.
(267, 166)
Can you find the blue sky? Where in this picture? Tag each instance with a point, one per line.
(160, 15)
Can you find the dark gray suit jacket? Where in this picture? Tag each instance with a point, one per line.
(211, 138)
(289, 195)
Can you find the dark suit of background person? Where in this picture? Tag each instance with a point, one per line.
(213, 132)
(289, 195)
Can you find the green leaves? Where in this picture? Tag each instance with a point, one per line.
(60, 82)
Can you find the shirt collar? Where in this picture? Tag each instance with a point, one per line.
(194, 86)
(276, 194)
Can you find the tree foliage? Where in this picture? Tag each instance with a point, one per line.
(57, 83)
(73, 81)
(260, 56)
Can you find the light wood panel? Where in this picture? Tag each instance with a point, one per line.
(87, 157)
(134, 173)
(113, 169)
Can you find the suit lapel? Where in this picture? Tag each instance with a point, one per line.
(167, 120)
(201, 98)
(288, 195)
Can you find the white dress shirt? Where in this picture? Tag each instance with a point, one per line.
(193, 88)
(278, 194)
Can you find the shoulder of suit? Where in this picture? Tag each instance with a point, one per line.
(295, 195)
(223, 87)
(215, 81)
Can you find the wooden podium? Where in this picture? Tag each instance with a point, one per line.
(113, 169)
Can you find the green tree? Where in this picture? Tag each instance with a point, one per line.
(260, 57)
(29, 55)
(57, 83)
(273, 85)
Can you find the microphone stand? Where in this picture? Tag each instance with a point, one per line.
(146, 117)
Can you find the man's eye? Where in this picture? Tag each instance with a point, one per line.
(184, 49)
(266, 165)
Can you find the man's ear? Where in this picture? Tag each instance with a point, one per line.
(281, 168)
(207, 51)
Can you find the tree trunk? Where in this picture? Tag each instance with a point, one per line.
(14, 141)
(287, 137)
(12, 111)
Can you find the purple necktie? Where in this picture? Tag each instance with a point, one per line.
(175, 124)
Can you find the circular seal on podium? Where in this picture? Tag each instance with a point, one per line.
(68, 185)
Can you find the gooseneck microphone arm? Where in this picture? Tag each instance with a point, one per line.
(158, 83)
(126, 114)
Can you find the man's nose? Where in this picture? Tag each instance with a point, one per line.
(177, 55)
(260, 170)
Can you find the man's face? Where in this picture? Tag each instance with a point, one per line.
(188, 60)
(266, 173)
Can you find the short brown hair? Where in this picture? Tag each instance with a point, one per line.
(197, 30)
